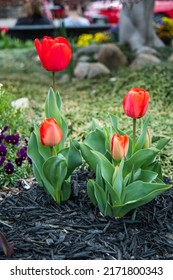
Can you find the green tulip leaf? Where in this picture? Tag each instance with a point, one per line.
(37, 175)
(114, 197)
(101, 198)
(43, 150)
(139, 190)
(58, 100)
(162, 143)
(90, 191)
(145, 175)
(140, 141)
(99, 178)
(146, 193)
(139, 159)
(55, 170)
(51, 107)
(107, 169)
(114, 121)
(96, 140)
(118, 184)
(37, 162)
(95, 124)
(155, 167)
(73, 157)
(88, 156)
(65, 191)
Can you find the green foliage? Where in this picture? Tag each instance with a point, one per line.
(14, 118)
(122, 186)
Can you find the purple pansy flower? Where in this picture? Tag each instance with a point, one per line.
(9, 168)
(18, 161)
(22, 153)
(5, 128)
(12, 139)
(15, 139)
(8, 139)
(3, 150)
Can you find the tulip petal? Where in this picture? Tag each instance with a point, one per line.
(38, 48)
(62, 40)
(58, 57)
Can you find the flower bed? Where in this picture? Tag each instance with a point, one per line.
(75, 189)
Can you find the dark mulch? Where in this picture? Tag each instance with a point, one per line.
(40, 229)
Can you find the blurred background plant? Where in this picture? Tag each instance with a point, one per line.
(6, 42)
(164, 28)
(97, 38)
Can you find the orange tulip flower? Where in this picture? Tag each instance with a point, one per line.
(119, 146)
(50, 133)
(135, 102)
(54, 54)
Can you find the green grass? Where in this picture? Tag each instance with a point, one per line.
(23, 76)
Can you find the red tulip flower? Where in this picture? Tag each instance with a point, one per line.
(119, 146)
(50, 133)
(135, 102)
(54, 54)
(4, 29)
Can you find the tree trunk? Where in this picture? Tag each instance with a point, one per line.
(136, 28)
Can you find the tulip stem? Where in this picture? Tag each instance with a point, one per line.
(51, 151)
(53, 76)
(134, 131)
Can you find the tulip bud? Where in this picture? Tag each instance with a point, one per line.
(50, 133)
(135, 103)
(119, 146)
(148, 139)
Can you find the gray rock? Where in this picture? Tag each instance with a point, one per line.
(97, 69)
(84, 58)
(147, 50)
(81, 70)
(89, 50)
(111, 56)
(170, 59)
(143, 59)
(90, 70)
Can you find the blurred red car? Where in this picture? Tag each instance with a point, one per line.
(108, 11)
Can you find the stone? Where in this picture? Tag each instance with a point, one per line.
(147, 50)
(84, 58)
(81, 70)
(88, 50)
(111, 56)
(170, 59)
(143, 59)
(21, 103)
(90, 70)
(97, 69)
